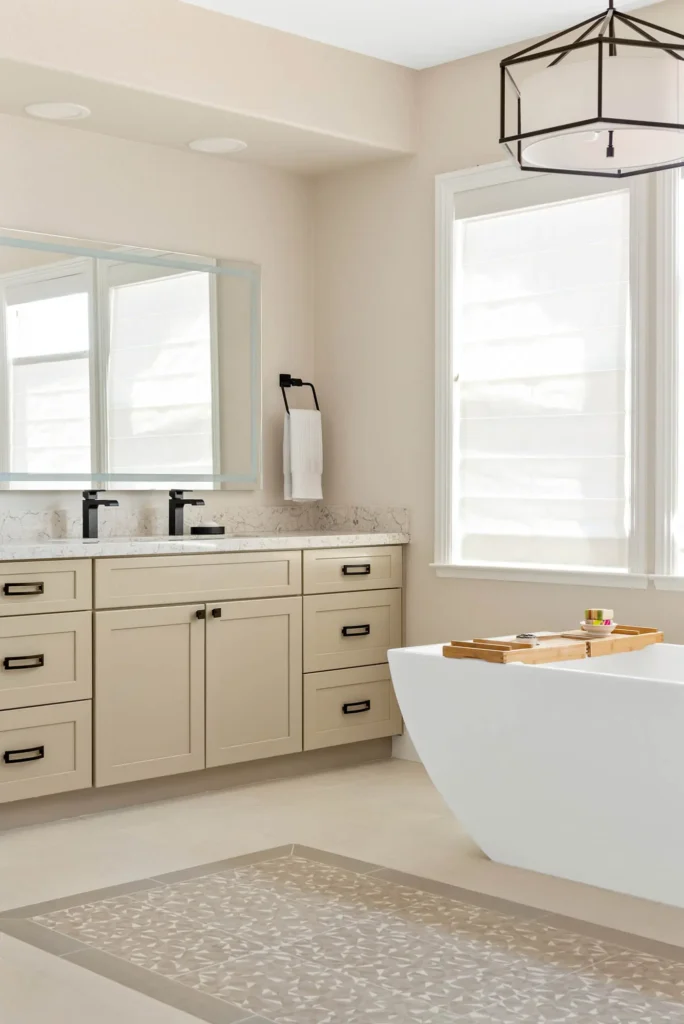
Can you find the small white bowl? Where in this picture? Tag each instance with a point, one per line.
(597, 631)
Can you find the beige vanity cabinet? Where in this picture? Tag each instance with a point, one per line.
(149, 695)
(254, 680)
(120, 669)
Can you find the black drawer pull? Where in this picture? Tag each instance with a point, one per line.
(20, 756)
(356, 630)
(356, 708)
(356, 570)
(23, 589)
(20, 661)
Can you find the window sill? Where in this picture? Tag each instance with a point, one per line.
(668, 582)
(534, 574)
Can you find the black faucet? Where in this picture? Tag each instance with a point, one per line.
(176, 505)
(91, 503)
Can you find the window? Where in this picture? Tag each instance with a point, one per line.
(560, 378)
(107, 368)
(542, 388)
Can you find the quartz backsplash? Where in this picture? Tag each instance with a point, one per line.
(145, 516)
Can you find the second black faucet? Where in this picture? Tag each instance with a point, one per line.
(176, 505)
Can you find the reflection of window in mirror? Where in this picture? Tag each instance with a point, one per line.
(108, 369)
(159, 409)
(48, 346)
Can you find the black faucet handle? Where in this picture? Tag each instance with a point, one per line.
(177, 497)
(92, 498)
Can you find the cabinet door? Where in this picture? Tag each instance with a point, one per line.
(254, 680)
(149, 693)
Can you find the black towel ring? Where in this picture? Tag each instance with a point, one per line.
(287, 381)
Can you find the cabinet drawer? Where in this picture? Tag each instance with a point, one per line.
(45, 659)
(45, 750)
(180, 579)
(340, 569)
(345, 630)
(350, 705)
(63, 585)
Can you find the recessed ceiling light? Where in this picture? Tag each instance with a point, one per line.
(58, 111)
(217, 144)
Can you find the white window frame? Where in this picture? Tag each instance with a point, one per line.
(653, 200)
(94, 273)
(665, 391)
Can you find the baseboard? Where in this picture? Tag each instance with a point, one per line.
(93, 801)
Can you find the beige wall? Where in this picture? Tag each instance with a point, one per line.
(375, 358)
(62, 181)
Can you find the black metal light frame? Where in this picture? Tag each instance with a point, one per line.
(599, 31)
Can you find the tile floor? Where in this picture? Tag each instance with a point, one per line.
(298, 936)
(385, 813)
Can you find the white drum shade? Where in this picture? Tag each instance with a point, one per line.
(635, 87)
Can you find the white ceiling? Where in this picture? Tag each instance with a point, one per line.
(416, 33)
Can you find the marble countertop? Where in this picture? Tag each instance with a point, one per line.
(113, 547)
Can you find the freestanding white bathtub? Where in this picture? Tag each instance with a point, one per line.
(573, 769)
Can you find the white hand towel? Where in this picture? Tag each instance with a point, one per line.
(303, 455)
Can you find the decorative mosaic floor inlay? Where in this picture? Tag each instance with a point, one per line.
(297, 936)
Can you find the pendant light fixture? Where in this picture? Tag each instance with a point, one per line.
(604, 98)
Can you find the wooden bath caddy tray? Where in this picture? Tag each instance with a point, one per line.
(568, 646)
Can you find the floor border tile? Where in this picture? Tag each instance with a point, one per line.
(213, 868)
(77, 899)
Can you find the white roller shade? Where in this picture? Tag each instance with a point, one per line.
(542, 396)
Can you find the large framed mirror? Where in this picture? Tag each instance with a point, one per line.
(127, 368)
